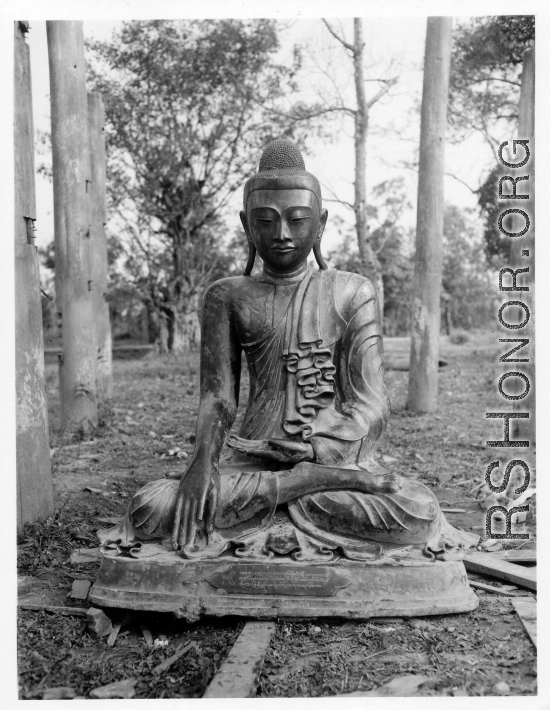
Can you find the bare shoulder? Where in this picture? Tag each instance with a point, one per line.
(224, 290)
(353, 288)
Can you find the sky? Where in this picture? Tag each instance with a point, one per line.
(394, 47)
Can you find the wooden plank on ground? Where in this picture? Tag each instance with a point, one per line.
(238, 674)
(489, 588)
(181, 651)
(70, 610)
(111, 640)
(487, 563)
(518, 556)
(526, 609)
(80, 589)
(147, 635)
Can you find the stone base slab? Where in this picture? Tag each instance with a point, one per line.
(280, 587)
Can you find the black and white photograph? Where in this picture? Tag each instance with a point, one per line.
(270, 318)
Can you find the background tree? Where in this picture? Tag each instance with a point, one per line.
(369, 264)
(467, 278)
(189, 107)
(485, 79)
(484, 94)
(391, 243)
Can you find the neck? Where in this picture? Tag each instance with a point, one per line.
(297, 271)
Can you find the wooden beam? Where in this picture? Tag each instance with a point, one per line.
(491, 589)
(98, 237)
(425, 312)
(238, 674)
(526, 609)
(181, 651)
(517, 556)
(70, 610)
(71, 182)
(486, 563)
(525, 429)
(34, 480)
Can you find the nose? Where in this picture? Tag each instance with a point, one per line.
(283, 232)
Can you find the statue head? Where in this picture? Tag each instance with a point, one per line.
(283, 215)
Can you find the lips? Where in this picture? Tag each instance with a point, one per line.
(283, 250)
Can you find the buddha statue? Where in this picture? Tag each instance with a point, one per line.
(300, 478)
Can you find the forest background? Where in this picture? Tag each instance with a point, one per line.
(190, 106)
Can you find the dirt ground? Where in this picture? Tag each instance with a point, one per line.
(149, 431)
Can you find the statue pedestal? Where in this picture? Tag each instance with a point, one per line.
(281, 587)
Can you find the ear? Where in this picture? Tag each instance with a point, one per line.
(251, 247)
(322, 224)
(244, 222)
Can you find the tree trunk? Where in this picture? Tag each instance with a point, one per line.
(186, 327)
(71, 181)
(100, 266)
(525, 429)
(34, 481)
(163, 333)
(448, 317)
(144, 326)
(423, 372)
(370, 262)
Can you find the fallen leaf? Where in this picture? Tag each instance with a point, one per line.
(501, 688)
(120, 689)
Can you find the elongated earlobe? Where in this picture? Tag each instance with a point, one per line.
(251, 258)
(318, 256)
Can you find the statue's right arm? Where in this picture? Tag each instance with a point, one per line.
(220, 367)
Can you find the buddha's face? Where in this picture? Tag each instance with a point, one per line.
(283, 225)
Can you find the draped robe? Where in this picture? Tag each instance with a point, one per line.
(314, 353)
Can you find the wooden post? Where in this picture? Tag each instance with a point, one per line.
(525, 429)
(425, 323)
(100, 267)
(71, 182)
(34, 481)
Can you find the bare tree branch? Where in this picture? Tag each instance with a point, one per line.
(313, 114)
(455, 177)
(341, 202)
(491, 78)
(337, 37)
(384, 90)
(335, 197)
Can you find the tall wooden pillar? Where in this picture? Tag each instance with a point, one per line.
(423, 372)
(100, 267)
(71, 182)
(34, 481)
(525, 429)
